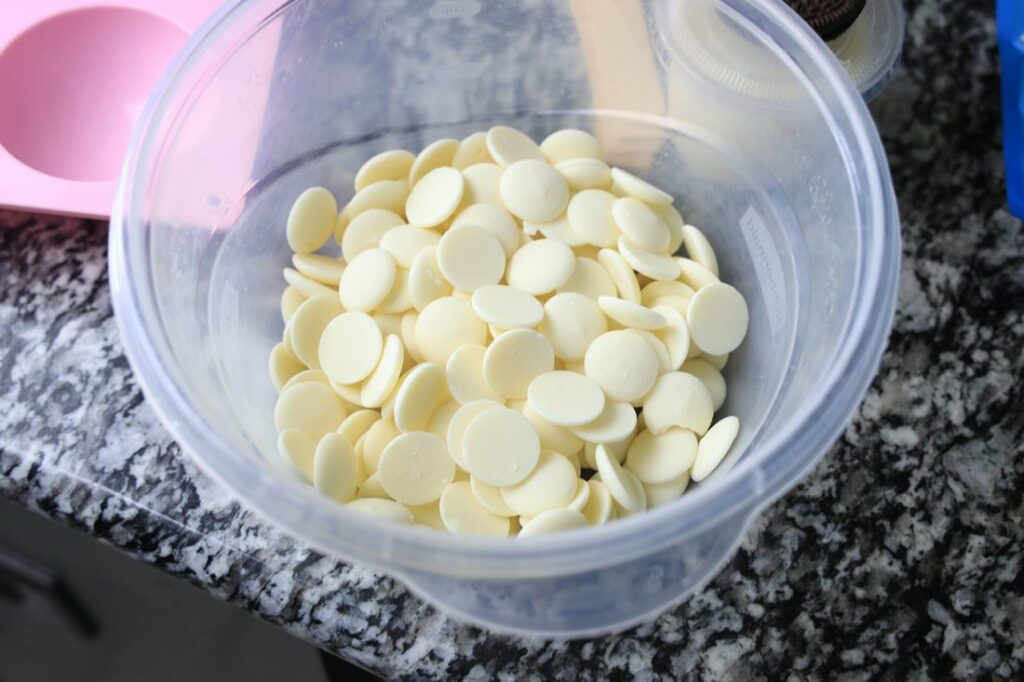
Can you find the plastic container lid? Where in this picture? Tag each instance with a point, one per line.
(869, 50)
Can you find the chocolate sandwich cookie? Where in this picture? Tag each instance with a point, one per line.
(828, 18)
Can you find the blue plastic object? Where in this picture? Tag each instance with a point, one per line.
(1010, 18)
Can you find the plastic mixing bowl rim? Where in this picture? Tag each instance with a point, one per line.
(320, 522)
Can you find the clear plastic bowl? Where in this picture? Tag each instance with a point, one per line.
(273, 97)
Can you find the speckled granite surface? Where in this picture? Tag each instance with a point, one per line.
(900, 557)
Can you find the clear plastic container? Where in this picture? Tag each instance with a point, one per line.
(273, 97)
(871, 48)
(869, 51)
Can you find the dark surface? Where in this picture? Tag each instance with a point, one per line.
(899, 557)
(143, 624)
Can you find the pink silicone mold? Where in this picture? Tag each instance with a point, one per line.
(73, 78)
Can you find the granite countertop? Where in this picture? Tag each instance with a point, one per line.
(900, 556)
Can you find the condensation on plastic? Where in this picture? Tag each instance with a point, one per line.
(274, 97)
